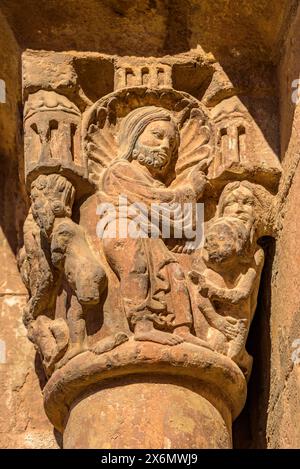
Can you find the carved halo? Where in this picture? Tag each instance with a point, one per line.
(101, 124)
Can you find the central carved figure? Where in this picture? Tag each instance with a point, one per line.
(153, 286)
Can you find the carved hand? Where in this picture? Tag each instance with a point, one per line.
(198, 178)
(204, 287)
(228, 325)
(198, 279)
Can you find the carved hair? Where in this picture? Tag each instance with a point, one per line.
(231, 187)
(135, 123)
(262, 201)
(55, 186)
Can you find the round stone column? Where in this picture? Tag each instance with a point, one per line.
(144, 395)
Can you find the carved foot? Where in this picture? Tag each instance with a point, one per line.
(159, 337)
(107, 344)
(192, 339)
(144, 331)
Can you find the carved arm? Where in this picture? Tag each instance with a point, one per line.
(244, 287)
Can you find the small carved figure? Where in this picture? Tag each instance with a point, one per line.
(229, 284)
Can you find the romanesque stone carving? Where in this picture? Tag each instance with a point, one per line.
(123, 284)
(233, 264)
(240, 152)
(155, 74)
(52, 139)
(56, 258)
(149, 140)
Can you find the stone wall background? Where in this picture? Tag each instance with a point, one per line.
(271, 416)
(284, 406)
(23, 423)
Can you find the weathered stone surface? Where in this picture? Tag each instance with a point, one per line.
(156, 27)
(22, 422)
(144, 145)
(283, 414)
(180, 417)
(134, 104)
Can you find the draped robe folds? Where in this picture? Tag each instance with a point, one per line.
(167, 302)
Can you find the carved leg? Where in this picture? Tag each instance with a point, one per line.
(109, 343)
(51, 339)
(129, 261)
(237, 351)
(77, 330)
(182, 307)
(185, 333)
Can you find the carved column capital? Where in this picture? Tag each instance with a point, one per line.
(149, 312)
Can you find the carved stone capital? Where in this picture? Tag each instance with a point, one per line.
(149, 313)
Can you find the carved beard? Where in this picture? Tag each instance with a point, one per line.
(153, 157)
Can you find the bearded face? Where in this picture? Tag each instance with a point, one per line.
(155, 146)
(148, 156)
